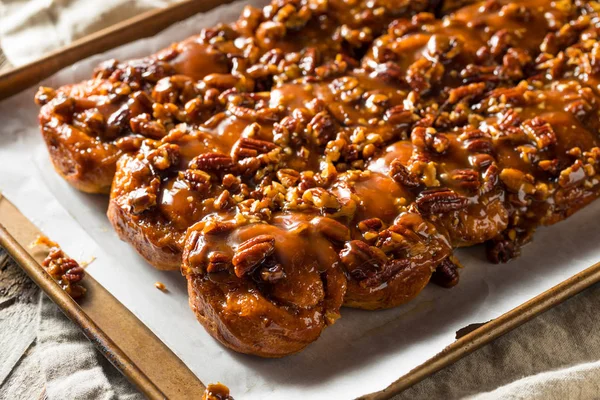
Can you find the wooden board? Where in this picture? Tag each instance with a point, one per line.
(117, 333)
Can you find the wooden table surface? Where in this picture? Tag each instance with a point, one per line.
(20, 377)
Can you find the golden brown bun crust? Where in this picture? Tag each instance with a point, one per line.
(163, 258)
(138, 220)
(86, 164)
(262, 289)
(245, 334)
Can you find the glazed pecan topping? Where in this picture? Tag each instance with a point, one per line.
(331, 229)
(272, 273)
(251, 253)
(402, 175)
(362, 260)
(198, 179)
(65, 271)
(144, 198)
(164, 157)
(439, 201)
(212, 162)
(371, 224)
(218, 261)
(540, 132)
(446, 274)
(288, 177)
(466, 92)
(517, 181)
(430, 139)
(467, 179)
(247, 147)
(501, 250)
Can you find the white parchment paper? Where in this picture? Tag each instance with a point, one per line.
(362, 353)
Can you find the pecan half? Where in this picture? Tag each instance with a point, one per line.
(218, 261)
(198, 179)
(248, 147)
(288, 177)
(501, 250)
(446, 274)
(371, 224)
(65, 271)
(331, 229)
(251, 253)
(212, 162)
(402, 175)
(517, 181)
(466, 92)
(438, 201)
(491, 177)
(362, 260)
(467, 179)
(540, 132)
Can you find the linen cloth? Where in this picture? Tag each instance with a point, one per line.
(554, 356)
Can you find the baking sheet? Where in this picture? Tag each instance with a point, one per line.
(362, 353)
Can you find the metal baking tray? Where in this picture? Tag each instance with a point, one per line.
(127, 343)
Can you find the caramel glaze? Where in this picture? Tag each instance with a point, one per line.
(155, 177)
(87, 127)
(326, 160)
(284, 304)
(481, 42)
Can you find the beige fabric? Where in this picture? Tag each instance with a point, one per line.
(554, 354)
(30, 28)
(552, 357)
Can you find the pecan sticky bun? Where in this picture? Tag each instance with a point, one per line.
(318, 154)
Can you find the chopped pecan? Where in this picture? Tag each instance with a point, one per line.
(402, 175)
(322, 127)
(144, 198)
(321, 198)
(439, 201)
(572, 176)
(446, 274)
(143, 125)
(44, 95)
(164, 157)
(251, 253)
(423, 74)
